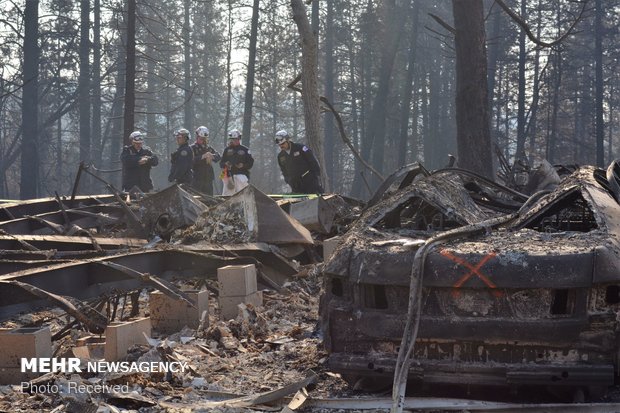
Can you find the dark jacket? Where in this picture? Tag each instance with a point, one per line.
(300, 169)
(203, 171)
(235, 155)
(181, 169)
(135, 174)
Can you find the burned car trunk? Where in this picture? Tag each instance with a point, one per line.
(534, 301)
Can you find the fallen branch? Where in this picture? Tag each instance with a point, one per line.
(56, 228)
(163, 286)
(94, 321)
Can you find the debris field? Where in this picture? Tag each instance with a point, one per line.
(285, 303)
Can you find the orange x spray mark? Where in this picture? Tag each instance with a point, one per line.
(473, 270)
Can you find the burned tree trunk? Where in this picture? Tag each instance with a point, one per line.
(309, 82)
(390, 39)
(188, 112)
(84, 86)
(472, 112)
(521, 94)
(329, 91)
(96, 91)
(228, 65)
(408, 94)
(30, 105)
(130, 72)
(249, 85)
(598, 58)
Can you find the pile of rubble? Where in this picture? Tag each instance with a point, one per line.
(229, 289)
(229, 229)
(262, 350)
(256, 343)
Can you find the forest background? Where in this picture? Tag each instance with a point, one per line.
(389, 68)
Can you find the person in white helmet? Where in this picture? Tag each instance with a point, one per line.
(137, 161)
(204, 156)
(182, 159)
(299, 166)
(236, 163)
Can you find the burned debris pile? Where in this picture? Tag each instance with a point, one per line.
(230, 227)
(225, 286)
(248, 216)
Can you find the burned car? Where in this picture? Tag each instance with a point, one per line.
(524, 298)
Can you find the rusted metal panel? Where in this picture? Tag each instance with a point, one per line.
(508, 267)
(22, 254)
(90, 278)
(20, 209)
(560, 333)
(605, 265)
(273, 264)
(169, 209)
(270, 223)
(400, 179)
(67, 243)
(480, 373)
(9, 266)
(422, 202)
(88, 217)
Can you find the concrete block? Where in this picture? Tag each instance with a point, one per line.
(26, 342)
(169, 315)
(228, 305)
(119, 336)
(88, 340)
(329, 246)
(237, 280)
(89, 348)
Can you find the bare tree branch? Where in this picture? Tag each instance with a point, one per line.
(340, 124)
(346, 139)
(529, 33)
(442, 23)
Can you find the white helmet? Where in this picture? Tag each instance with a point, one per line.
(281, 137)
(183, 132)
(234, 134)
(136, 136)
(202, 132)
